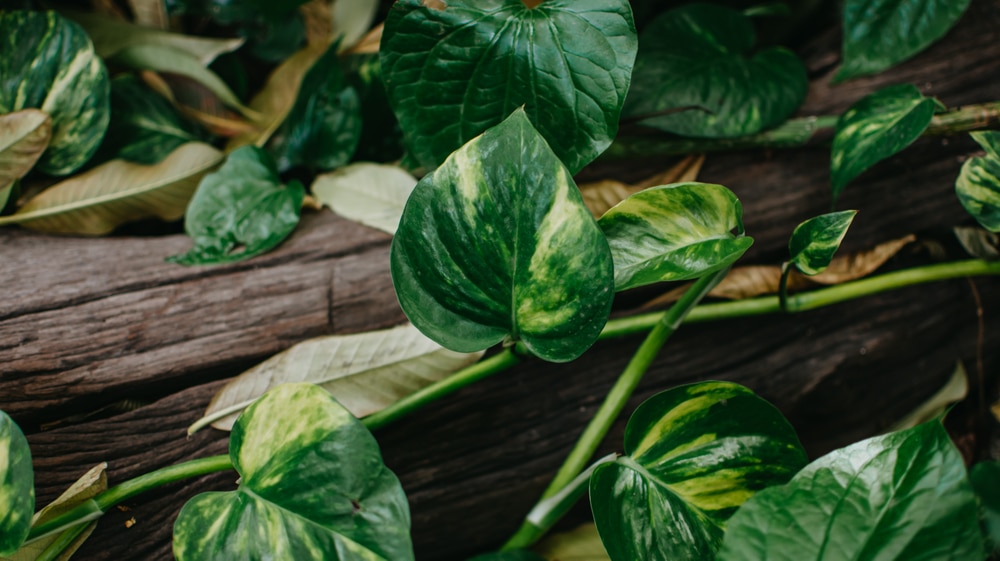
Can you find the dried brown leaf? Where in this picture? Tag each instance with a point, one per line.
(600, 196)
(369, 44)
(24, 136)
(150, 13)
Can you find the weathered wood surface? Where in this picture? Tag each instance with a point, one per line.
(87, 323)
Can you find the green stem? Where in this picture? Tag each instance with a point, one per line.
(61, 543)
(617, 397)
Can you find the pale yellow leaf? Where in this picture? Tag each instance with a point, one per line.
(351, 20)
(954, 390)
(580, 544)
(24, 135)
(372, 194)
(150, 13)
(600, 196)
(370, 43)
(98, 201)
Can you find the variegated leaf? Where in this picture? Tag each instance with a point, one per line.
(875, 128)
(312, 487)
(989, 140)
(674, 232)
(50, 64)
(98, 201)
(695, 454)
(497, 243)
(814, 242)
(978, 184)
(17, 486)
(24, 135)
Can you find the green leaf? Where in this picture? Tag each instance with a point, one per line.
(985, 478)
(879, 34)
(695, 454)
(454, 69)
(696, 61)
(98, 201)
(903, 495)
(240, 211)
(381, 138)
(875, 128)
(990, 141)
(978, 189)
(50, 64)
(814, 242)
(144, 127)
(312, 487)
(674, 232)
(324, 125)
(372, 194)
(497, 243)
(513, 555)
(17, 486)
(24, 136)
(366, 372)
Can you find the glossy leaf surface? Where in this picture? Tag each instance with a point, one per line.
(978, 184)
(240, 211)
(697, 62)
(879, 34)
(324, 125)
(454, 69)
(17, 486)
(985, 478)
(815, 241)
(312, 487)
(674, 232)
(695, 454)
(50, 64)
(497, 243)
(372, 194)
(24, 136)
(903, 495)
(990, 141)
(875, 128)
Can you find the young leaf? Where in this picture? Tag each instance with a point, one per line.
(697, 59)
(903, 495)
(990, 141)
(351, 20)
(674, 232)
(98, 201)
(695, 454)
(814, 242)
(24, 135)
(50, 65)
(372, 194)
(497, 243)
(366, 372)
(312, 486)
(324, 125)
(876, 127)
(978, 189)
(985, 478)
(454, 69)
(17, 486)
(879, 34)
(240, 211)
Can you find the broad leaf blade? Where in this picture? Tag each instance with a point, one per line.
(51, 65)
(695, 63)
(904, 495)
(313, 487)
(497, 243)
(879, 34)
(674, 232)
(365, 372)
(453, 72)
(978, 189)
(98, 201)
(240, 211)
(985, 478)
(17, 488)
(815, 241)
(990, 141)
(372, 194)
(24, 135)
(875, 128)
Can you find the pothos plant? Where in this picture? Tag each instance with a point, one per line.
(495, 246)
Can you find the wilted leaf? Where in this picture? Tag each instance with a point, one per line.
(24, 135)
(365, 372)
(372, 194)
(17, 487)
(861, 264)
(580, 544)
(351, 20)
(954, 390)
(815, 241)
(600, 196)
(198, 103)
(370, 43)
(111, 194)
(150, 13)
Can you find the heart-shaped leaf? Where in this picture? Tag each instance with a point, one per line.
(875, 128)
(903, 495)
(240, 211)
(98, 201)
(674, 232)
(372, 194)
(366, 372)
(695, 454)
(497, 243)
(454, 69)
(985, 478)
(24, 135)
(312, 487)
(815, 241)
(50, 64)
(17, 486)
(879, 34)
(695, 64)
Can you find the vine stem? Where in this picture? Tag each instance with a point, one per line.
(616, 399)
